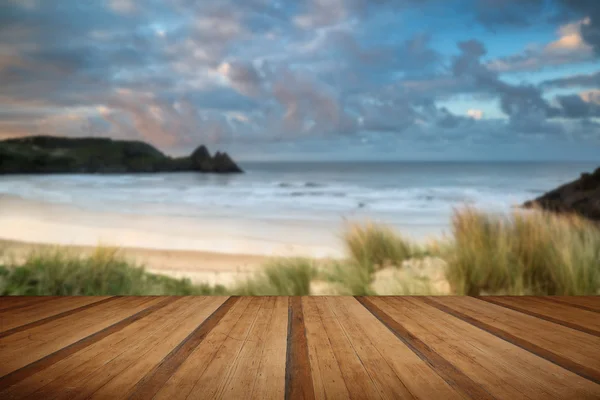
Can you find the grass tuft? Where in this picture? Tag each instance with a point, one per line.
(281, 277)
(532, 252)
(376, 246)
(58, 272)
(535, 253)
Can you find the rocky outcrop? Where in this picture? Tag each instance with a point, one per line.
(582, 196)
(49, 154)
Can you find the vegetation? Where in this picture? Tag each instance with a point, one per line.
(50, 154)
(59, 272)
(281, 277)
(535, 253)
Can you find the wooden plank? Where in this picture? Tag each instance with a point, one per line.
(572, 350)
(49, 360)
(385, 379)
(23, 348)
(68, 371)
(328, 381)
(270, 380)
(298, 380)
(500, 368)
(421, 380)
(244, 371)
(214, 377)
(581, 320)
(156, 378)
(357, 379)
(191, 370)
(119, 377)
(588, 303)
(9, 303)
(40, 314)
(452, 375)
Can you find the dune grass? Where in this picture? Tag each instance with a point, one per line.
(375, 246)
(281, 277)
(536, 253)
(60, 272)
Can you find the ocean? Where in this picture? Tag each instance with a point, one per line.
(417, 198)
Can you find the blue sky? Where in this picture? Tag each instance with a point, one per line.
(309, 79)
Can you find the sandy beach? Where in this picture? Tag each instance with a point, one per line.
(199, 266)
(214, 252)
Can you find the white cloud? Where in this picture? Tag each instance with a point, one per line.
(122, 6)
(567, 49)
(475, 114)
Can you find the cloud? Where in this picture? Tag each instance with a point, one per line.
(589, 10)
(180, 72)
(122, 6)
(582, 105)
(569, 48)
(581, 80)
(243, 77)
(475, 114)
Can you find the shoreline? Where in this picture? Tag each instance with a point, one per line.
(205, 251)
(25, 220)
(199, 266)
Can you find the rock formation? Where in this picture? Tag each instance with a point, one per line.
(49, 154)
(581, 196)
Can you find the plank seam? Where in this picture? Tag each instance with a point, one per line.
(298, 374)
(445, 369)
(526, 345)
(373, 381)
(566, 303)
(45, 362)
(55, 317)
(152, 382)
(557, 321)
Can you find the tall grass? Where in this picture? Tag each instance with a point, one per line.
(281, 277)
(60, 272)
(536, 253)
(376, 246)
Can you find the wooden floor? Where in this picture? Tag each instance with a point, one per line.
(300, 348)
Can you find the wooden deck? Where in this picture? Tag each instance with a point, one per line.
(299, 348)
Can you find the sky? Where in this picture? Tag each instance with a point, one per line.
(309, 79)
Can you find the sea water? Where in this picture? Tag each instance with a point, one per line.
(417, 198)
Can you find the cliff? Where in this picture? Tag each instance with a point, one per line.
(49, 154)
(581, 196)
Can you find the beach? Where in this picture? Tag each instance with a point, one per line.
(203, 251)
(199, 266)
(217, 229)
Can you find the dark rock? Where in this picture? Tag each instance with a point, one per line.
(224, 164)
(581, 196)
(48, 154)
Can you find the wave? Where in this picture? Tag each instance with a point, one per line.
(202, 194)
(317, 194)
(303, 184)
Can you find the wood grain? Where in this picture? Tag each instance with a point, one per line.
(33, 316)
(581, 320)
(531, 334)
(148, 386)
(452, 375)
(589, 303)
(52, 358)
(299, 348)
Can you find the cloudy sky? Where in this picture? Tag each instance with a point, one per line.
(309, 79)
